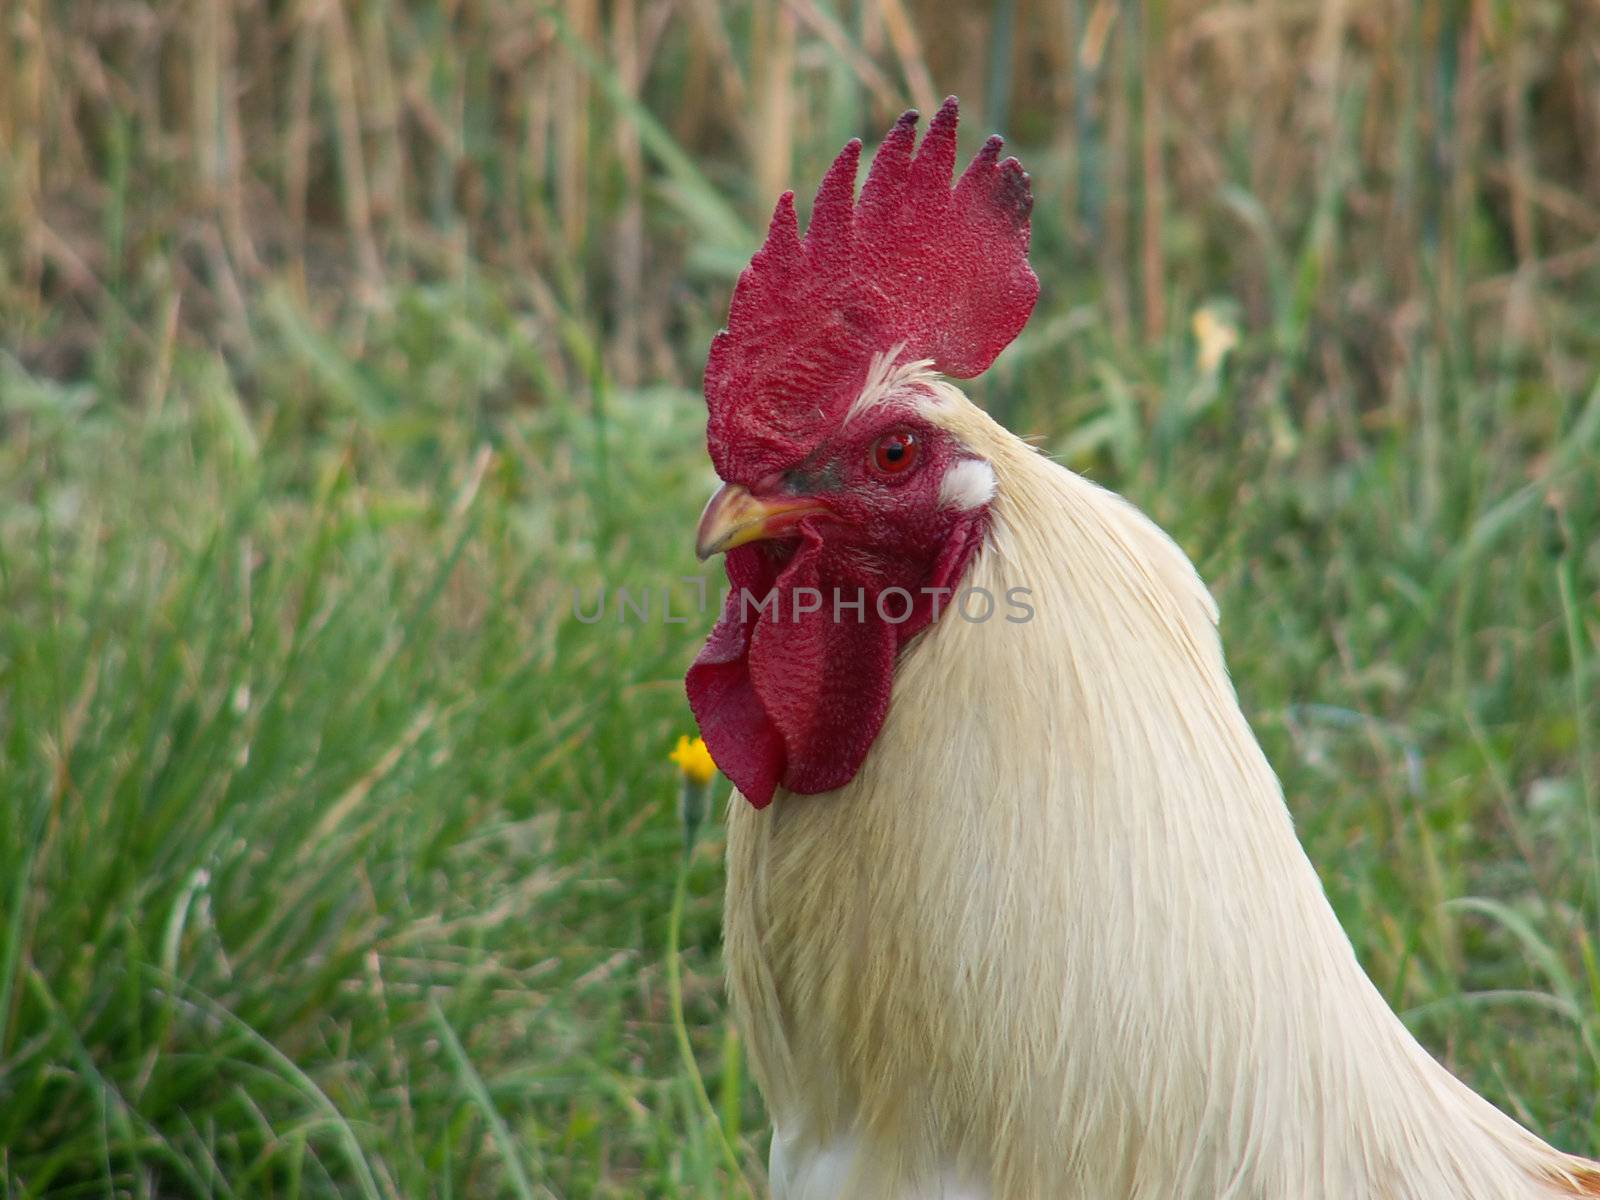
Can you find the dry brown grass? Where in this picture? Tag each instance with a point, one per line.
(1392, 161)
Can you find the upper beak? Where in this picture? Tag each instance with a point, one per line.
(733, 517)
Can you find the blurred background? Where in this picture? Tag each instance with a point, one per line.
(341, 341)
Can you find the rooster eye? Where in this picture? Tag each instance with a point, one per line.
(894, 453)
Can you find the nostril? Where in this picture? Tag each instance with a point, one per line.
(811, 481)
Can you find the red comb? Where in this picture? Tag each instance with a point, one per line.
(941, 272)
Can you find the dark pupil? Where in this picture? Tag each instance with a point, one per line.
(894, 451)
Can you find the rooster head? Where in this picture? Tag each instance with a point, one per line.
(848, 513)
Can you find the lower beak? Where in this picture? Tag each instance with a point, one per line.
(733, 517)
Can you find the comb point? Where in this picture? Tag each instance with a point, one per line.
(783, 231)
(1013, 191)
(936, 157)
(990, 152)
(834, 208)
(888, 171)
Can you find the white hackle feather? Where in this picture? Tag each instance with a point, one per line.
(890, 381)
(1057, 940)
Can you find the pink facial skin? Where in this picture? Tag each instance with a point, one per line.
(797, 701)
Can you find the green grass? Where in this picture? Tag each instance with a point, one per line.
(344, 853)
(337, 840)
(337, 857)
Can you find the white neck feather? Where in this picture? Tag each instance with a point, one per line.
(1058, 936)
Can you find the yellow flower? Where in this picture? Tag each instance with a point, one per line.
(694, 760)
(1214, 336)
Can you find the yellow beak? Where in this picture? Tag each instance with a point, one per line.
(733, 517)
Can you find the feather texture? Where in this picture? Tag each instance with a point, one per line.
(1058, 938)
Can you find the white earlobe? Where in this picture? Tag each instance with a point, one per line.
(967, 485)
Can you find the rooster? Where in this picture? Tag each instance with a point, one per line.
(1015, 908)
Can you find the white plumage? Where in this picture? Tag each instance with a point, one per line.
(1057, 938)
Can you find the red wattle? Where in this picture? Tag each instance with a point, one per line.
(743, 741)
(797, 703)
